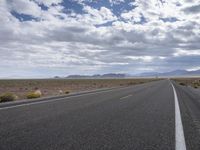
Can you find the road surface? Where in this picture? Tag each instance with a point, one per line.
(150, 116)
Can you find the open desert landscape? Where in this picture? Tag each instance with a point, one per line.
(100, 75)
(53, 87)
(193, 82)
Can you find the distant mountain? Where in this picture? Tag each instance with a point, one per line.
(109, 75)
(146, 74)
(175, 73)
(196, 72)
(77, 76)
(113, 75)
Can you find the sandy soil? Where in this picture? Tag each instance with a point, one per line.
(193, 82)
(50, 87)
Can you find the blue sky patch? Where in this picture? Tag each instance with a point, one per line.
(23, 17)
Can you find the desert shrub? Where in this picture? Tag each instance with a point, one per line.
(7, 97)
(181, 83)
(60, 92)
(195, 85)
(35, 94)
(131, 83)
(67, 92)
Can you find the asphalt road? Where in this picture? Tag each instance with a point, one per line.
(142, 117)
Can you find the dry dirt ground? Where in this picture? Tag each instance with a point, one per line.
(51, 87)
(193, 82)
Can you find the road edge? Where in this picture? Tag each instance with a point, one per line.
(179, 132)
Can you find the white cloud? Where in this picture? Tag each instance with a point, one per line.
(145, 58)
(95, 16)
(179, 53)
(194, 68)
(116, 2)
(25, 7)
(144, 38)
(155, 9)
(49, 2)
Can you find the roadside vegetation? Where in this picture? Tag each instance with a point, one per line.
(183, 84)
(193, 82)
(11, 90)
(35, 94)
(7, 97)
(67, 92)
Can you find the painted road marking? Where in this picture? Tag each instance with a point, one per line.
(126, 96)
(179, 133)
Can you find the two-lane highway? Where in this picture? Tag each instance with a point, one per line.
(141, 117)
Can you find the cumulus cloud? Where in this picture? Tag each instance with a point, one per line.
(116, 2)
(181, 52)
(192, 9)
(49, 2)
(95, 16)
(24, 7)
(152, 36)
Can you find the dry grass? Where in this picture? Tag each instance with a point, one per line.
(50, 87)
(193, 82)
(35, 94)
(6, 97)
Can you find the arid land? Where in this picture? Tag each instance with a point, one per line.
(53, 87)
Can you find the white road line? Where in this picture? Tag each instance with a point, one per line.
(179, 133)
(52, 100)
(126, 96)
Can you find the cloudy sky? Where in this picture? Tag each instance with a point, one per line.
(43, 38)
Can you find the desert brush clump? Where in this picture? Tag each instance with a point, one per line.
(35, 94)
(196, 84)
(181, 83)
(67, 92)
(7, 97)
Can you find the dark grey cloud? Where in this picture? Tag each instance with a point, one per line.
(192, 9)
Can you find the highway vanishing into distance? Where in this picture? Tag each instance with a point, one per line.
(160, 115)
